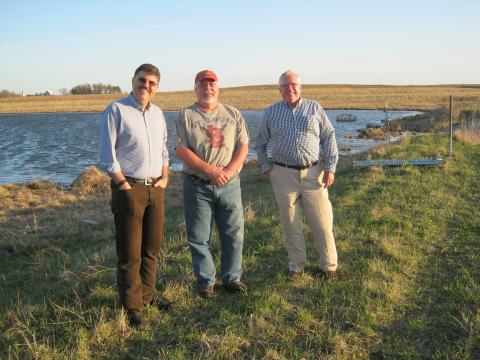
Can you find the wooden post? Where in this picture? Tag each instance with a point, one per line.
(451, 126)
(386, 114)
(387, 125)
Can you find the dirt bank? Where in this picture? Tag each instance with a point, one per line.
(434, 120)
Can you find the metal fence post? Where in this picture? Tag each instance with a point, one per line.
(451, 126)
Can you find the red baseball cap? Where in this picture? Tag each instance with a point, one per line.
(206, 74)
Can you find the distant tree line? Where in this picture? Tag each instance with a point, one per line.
(80, 89)
(7, 93)
(95, 89)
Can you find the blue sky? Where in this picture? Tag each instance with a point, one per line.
(59, 44)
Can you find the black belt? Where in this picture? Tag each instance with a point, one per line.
(297, 167)
(198, 178)
(149, 181)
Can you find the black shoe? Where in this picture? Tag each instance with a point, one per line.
(295, 274)
(134, 318)
(205, 291)
(161, 304)
(235, 286)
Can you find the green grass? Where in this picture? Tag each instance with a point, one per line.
(408, 242)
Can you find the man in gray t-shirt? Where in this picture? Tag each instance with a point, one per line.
(212, 141)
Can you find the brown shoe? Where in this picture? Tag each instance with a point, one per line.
(235, 286)
(331, 274)
(205, 291)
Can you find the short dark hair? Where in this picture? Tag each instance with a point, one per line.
(149, 69)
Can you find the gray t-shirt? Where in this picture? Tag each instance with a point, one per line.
(214, 136)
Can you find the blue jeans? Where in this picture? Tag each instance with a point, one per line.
(205, 204)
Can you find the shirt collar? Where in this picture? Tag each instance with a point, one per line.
(299, 103)
(136, 104)
(199, 108)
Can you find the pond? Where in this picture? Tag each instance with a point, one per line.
(59, 146)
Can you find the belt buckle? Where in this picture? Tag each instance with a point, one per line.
(148, 181)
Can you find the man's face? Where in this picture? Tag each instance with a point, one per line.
(144, 87)
(207, 91)
(290, 89)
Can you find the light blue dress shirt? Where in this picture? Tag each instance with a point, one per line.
(296, 136)
(133, 141)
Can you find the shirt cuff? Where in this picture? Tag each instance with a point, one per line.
(267, 167)
(330, 168)
(111, 167)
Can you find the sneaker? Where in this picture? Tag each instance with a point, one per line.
(235, 286)
(205, 291)
(134, 318)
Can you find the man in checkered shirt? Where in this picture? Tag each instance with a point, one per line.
(304, 155)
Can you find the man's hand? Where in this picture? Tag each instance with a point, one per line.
(162, 182)
(328, 178)
(125, 186)
(217, 175)
(267, 173)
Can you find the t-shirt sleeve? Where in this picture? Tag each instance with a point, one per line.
(181, 138)
(242, 131)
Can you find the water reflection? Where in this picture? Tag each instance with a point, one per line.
(59, 146)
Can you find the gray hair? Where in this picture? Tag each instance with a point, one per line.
(288, 72)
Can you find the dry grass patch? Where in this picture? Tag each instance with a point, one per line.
(90, 180)
(261, 96)
(467, 136)
(382, 212)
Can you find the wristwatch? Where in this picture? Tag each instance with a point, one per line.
(121, 182)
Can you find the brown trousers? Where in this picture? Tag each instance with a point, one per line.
(138, 215)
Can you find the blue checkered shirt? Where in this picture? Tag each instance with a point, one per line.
(296, 136)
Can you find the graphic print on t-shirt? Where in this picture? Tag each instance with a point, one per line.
(216, 137)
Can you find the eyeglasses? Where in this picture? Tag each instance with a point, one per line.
(284, 86)
(144, 81)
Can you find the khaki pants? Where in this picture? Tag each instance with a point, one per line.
(304, 187)
(138, 215)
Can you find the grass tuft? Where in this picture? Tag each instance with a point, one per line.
(467, 136)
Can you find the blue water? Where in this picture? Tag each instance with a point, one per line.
(59, 146)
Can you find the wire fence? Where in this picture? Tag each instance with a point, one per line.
(465, 115)
(470, 119)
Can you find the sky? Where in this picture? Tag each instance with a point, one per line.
(59, 44)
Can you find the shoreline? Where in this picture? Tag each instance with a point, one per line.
(406, 126)
(170, 110)
(248, 166)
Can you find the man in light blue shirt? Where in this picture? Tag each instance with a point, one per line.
(133, 151)
(304, 157)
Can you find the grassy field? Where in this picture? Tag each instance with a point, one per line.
(408, 241)
(259, 97)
